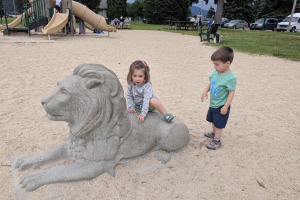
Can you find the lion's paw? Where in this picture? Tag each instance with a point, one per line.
(32, 181)
(25, 163)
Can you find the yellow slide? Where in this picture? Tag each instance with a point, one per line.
(87, 15)
(57, 22)
(17, 21)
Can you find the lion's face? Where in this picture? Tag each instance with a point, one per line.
(64, 102)
(91, 98)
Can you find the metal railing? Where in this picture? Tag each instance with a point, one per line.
(34, 11)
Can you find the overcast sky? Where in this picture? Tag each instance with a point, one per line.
(200, 4)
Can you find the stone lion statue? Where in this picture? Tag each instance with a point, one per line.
(102, 133)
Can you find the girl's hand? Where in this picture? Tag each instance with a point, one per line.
(203, 96)
(141, 118)
(224, 110)
(132, 111)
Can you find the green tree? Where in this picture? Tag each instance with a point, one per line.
(297, 7)
(1, 9)
(236, 11)
(265, 9)
(276, 8)
(136, 9)
(116, 8)
(158, 11)
(93, 5)
(20, 4)
(220, 7)
(184, 7)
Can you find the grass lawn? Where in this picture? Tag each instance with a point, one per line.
(9, 20)
(279, 44)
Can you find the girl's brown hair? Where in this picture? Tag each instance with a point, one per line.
(139, 64)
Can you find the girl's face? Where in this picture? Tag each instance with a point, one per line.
(138, 76)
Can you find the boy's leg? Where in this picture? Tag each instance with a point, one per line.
(213, 127)
(209, 118)
(216, 143)
(211, 134)
(218, 132)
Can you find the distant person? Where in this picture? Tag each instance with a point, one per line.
(115, 22)
(81, 27)
(222, 84)
(121, 22)
(211, 13)
(211, 22)
(199, 19)
(140, 96)
(58, 5)
(193, 19)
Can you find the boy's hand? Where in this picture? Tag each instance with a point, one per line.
(132, 111)
(224, 110)
(203, 96)
(141, 118)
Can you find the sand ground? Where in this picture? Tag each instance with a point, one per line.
(259, 158)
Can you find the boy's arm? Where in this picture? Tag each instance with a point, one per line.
(224, 109)
(204, 94)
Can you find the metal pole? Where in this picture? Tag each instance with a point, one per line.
(15, 12)
(292, 13)
(71, 14)
(7, 32)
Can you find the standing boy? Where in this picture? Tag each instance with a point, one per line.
(221, 87)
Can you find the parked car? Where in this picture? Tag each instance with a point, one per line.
(264, 24)
(236, 24)
(295, 23)
(224, 21)
(205, 21)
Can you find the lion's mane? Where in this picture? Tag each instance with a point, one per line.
(104, 96)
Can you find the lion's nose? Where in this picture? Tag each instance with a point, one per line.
(42, 101)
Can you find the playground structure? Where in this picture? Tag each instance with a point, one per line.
(40, 13)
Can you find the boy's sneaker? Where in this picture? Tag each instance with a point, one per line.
(214, 145)
(210, 135)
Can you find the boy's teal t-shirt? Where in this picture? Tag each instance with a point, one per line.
(220, 85)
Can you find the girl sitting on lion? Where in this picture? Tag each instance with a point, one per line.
(140, 95)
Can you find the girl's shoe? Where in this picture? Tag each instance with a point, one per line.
(210, 134)
(168, 117)
(214, 145)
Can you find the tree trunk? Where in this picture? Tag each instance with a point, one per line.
(219, 13)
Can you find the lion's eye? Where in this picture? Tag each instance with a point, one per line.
(62, 90)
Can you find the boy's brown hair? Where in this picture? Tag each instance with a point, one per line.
(139, 64)
(223, 54)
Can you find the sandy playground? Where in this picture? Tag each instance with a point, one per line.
(259, 158)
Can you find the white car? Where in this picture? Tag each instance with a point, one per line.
(295, 23)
